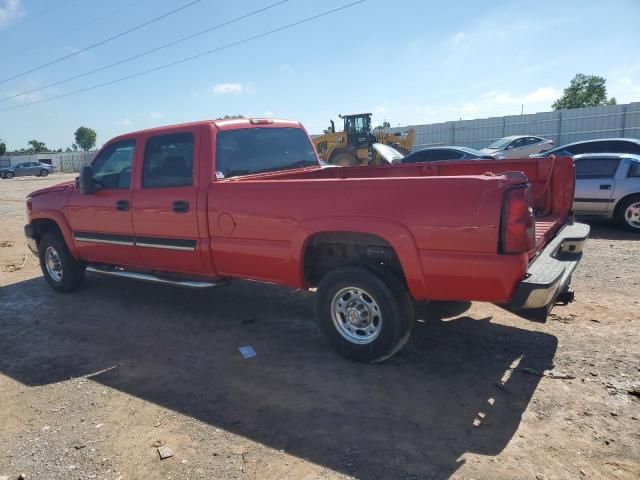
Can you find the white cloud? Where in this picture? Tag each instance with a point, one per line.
(457, 39)
(155, 115)
(232, 89)
(540, 95)
(26, 86)
(9, 12)
(125, 122)
(380, 109)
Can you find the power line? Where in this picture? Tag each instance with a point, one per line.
(102, 42)
(85, 25)
(187, 59)
(142, 54)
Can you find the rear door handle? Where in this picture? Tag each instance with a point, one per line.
(122, 205)
(605, 187)
(180, 206)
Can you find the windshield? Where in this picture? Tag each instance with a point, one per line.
(257, 150)
(501, 143)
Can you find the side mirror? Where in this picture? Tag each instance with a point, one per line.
(85, 181)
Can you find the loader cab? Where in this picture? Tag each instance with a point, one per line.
(358, 130)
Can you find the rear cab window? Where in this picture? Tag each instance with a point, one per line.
(248, 151)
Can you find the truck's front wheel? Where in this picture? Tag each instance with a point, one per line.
(367, 315)
(63, 272)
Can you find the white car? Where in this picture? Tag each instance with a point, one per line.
(518, 146)
(608, 186)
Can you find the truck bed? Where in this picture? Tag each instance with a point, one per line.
(551, 181)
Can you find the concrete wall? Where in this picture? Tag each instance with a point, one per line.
(562, 127)
(64, 162)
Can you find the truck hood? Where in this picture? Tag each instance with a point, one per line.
(490, 151)
(53, 188)
(389, 154)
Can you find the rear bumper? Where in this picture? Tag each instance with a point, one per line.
(29, 234)
(549, 275)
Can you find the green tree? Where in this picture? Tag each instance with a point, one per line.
(85, 138)
(37, 146)
(584, 91)
(384, 125)
(3, 148)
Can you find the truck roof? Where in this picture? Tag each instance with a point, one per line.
(226, 124)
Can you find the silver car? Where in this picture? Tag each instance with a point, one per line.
(608, 186)
(518, 146)
(27, 168)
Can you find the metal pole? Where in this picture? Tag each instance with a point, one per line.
(559, 139)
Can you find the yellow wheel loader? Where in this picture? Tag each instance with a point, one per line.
(352, 146)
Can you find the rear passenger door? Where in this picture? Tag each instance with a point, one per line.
(164, 203)
(595, 183)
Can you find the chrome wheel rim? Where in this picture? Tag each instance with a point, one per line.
(632, 215)
(53, 264)
(356, 315)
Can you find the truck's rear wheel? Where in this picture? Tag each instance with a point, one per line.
(8, 175)
(344, 160)
(63, 272)
(367, 315)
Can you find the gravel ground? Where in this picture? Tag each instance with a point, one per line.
(91, 384)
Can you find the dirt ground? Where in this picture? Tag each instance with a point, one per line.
(93, 382)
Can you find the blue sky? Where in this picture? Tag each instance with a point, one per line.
(406, 61)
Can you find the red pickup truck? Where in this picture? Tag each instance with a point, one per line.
(201, 203)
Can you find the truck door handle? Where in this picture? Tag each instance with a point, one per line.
(122, 205)
(605, 187)
(180, 206)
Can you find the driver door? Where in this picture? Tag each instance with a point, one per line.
(21, 170)
(101, 222)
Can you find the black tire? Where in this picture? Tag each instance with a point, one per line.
(621, 213)
(8, 175)
(387, 293)
(344, 159)
(72, 271)
(44, 172)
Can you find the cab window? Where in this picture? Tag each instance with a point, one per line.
(112, 168)
(168, 161)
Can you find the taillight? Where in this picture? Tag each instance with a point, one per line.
(518, 226)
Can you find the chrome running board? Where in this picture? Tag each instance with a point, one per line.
(149, 277)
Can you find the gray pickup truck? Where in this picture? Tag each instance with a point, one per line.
(608, 186)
